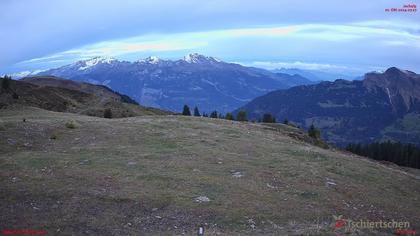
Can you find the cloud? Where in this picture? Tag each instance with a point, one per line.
(36, 28)
(43, 33)
(326, 42)
(116, 49)
(262, 32)
(296, 64)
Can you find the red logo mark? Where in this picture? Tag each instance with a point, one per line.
(404, 231)
(339, 224)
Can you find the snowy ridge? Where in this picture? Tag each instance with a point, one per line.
(95, 61)
(19, 75)
(197, 58)
(150, 60)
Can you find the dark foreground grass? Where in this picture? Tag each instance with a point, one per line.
(142, 175)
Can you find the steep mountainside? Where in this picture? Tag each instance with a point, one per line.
(195, 80)
(382, 106)
(56, 94)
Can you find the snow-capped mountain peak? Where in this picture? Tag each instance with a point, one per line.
(170, 84)
(151, 60)
(198, 58)
(95, 61)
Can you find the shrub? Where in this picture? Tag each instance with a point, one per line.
(229, 116)
(314, 132)
(108, 113)
(2, 126)
(267, 118)
(71, 125)
(241, 116)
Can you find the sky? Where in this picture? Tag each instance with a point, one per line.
(351, 37)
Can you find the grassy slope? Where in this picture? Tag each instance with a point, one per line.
(70, 96)
(141, 175)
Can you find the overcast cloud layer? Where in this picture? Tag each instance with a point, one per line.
(353, 36)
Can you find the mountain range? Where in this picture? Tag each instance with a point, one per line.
(195, 80)
(382, 106)
(316, 75)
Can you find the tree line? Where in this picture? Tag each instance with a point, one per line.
(395, 152)
(242, 116)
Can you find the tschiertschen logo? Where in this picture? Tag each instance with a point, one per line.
(347, 225)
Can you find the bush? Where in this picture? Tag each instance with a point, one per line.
(241, 116)
(108, 113)
(268, 118)
(314, 132)
(71, 125)
(2, 126)
(229, 116)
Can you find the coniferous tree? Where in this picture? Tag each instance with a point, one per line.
(241, 116)
(186, 111)
(398, 153)
(213, 114)
(229, 116)
(286, 121)
(267, 118)
(5, 82)
(196, 111)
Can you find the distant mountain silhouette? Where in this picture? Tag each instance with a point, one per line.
(381, 106)
(315, 75)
